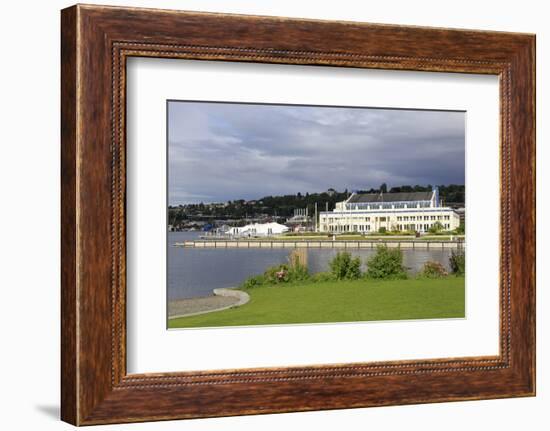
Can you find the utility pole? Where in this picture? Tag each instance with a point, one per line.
(316, 217)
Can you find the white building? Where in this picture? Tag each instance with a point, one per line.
(368, 212)
(258, 229)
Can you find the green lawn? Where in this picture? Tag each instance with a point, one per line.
(342, 301)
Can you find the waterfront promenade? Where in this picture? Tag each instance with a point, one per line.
(324, 243)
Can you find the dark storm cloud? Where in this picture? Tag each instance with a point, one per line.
(220, 152)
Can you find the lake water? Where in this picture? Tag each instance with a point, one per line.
(194, 272)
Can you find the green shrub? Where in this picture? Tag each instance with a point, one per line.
(457, 262)
(252, 282)
(344, 267)
(320, 277)
(298, 272)
(382, 230)
(437, 227)
(433, 269)
(386, 263)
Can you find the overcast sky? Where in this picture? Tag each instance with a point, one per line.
(219, 152)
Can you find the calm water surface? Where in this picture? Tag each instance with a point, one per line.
(194, 272)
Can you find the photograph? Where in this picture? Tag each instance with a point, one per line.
(300, 214)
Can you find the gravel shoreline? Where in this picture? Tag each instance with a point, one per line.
(181, 307)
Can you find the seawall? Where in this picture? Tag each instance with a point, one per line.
(340, 244)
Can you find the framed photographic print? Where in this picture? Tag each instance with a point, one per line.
(266, 215)
(356, 255)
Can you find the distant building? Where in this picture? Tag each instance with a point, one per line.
(301, 221)
(258, 229)
(368, 212)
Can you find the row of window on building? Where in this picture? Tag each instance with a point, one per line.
(349, 228)
(399, 218)
(400, 227)
(426, 218)
(420, 227)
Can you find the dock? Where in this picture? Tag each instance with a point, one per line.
(339, 244)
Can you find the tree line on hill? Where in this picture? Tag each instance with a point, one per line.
(284, 206)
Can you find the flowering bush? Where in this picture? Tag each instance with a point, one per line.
(433, 270)
(276, 274)
(281, 275)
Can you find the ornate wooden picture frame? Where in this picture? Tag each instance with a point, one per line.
(96, 41)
